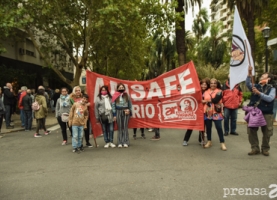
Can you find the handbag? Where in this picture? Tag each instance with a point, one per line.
(217, 108)
(103, 117)
(65, 117)
(254, 116)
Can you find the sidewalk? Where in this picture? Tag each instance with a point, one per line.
(50, 121)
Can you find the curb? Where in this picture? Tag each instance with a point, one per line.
(22, 129)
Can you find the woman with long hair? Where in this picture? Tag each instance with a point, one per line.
(122, 110)
(62, 109)
(213, 109)
(76, 95)
(205, 84)
(104, 115)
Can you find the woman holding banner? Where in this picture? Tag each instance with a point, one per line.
(122, 110)
(205, 85)
(213, 112)
(104, 115)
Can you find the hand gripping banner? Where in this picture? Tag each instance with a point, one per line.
(172, 100)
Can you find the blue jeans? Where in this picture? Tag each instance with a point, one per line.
(107, 132)
(230, 114)
(274, 109)
(218, 126)
(8, 115)
(77, 132)
(22, 117)
(28, 119)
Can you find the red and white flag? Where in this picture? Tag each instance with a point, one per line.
(241, 56)
(172, 100)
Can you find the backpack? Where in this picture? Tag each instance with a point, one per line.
(35, 106)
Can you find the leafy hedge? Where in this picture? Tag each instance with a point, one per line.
(246, 95)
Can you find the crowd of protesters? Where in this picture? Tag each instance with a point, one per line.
(220, 103)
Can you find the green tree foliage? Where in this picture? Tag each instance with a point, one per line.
(249, 10)
(213, 49)
(268, 18)
(162, 56)
(109, 36)
(181, 8)
(201, 24)
(208, 71)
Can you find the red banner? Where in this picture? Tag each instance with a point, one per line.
(172, 100)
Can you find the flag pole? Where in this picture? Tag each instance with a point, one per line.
(252, 78)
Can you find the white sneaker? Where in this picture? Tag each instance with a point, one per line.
(185, 143)
(64, 142)
(125, 145)
(120, 146)
(150, 129)
(107, 145)
(112, 145)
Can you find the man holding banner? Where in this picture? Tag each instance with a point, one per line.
(263, 94)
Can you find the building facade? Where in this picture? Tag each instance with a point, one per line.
(220, 12)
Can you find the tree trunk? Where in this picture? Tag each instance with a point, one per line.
(251, 33)
(78, 72)
(180, 35)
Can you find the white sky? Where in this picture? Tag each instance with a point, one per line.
(190, 17)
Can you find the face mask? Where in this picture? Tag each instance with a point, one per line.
(104, 92)
(121, 91)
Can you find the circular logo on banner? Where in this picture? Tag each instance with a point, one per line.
(188, 104)
(238, 51)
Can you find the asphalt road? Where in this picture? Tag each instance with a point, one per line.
(40, 168)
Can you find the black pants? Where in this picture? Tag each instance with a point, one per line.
(157, 132)
(64, 126)
(188, 134)
(141, 130)
(87, 131)
(1, 121)
(218, 126)
(40, 124)
(28, 119)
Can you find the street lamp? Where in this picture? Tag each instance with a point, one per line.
(266, 34)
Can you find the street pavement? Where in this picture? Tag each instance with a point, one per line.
(41, 168)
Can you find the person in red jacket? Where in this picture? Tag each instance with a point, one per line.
(231, 100)
(20, 106)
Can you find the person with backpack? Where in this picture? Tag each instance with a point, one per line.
(41, 112)
(63, 107)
